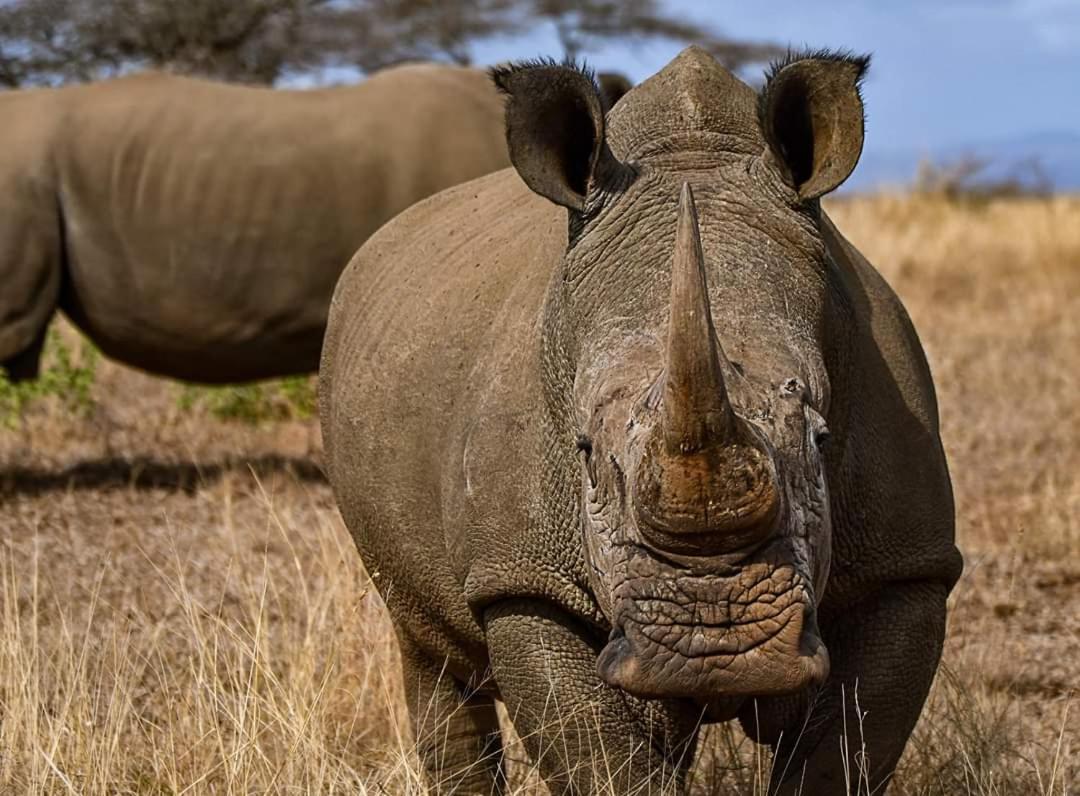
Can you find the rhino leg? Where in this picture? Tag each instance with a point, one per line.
(456, 729)
(585, 736)
(884, 654)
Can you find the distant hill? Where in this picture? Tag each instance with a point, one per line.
(1058, 155)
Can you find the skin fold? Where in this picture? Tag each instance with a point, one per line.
(195, 229)
(636, 440)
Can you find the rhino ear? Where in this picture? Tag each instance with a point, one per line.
(811, 113)
(613, 85)
(554, 129)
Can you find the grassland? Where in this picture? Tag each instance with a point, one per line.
(181, 610)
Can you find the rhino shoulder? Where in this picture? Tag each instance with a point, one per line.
(891, 491)
(421, 269)
(466, 218)
(882, 321)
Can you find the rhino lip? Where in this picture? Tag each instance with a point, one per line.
(617, 663)
(789, 660)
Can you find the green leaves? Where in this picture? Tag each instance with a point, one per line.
(293, 398)
(66, 377)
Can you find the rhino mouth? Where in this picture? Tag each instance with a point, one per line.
(748, 633)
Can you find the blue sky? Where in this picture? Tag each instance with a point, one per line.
(945, 72)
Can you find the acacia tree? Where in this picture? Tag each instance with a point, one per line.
(50, 41)
(53, 41)
(583, 24)
(377, 33)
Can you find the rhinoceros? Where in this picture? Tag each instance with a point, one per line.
(613, 85)
(195, 229)
(635, 439)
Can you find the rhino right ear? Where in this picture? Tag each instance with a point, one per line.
(554, 129)
(613, 85)
(811, 113)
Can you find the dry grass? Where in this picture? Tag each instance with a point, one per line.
(181, 610)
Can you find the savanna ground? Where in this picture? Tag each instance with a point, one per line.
(182, 611)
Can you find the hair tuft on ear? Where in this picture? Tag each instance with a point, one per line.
(502, 74)
(860, 62)
(776, 66)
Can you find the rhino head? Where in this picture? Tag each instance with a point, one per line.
(686, 345)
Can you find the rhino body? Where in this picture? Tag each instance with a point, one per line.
(647, 445)
(196, 229)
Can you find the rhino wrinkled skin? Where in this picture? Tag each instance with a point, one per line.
(644, 442)
(196, 229)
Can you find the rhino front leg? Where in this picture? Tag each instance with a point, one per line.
(585, 736)
(884, 655)
(456, 729)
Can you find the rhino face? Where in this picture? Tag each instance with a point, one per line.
(690, 326)
(704, 502)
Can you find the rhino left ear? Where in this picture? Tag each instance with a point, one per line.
(811, 114)
(554, 129)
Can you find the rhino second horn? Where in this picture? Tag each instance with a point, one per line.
(696, 410)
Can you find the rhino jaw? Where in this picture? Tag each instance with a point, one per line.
(790, 660)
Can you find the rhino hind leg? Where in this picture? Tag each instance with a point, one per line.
(584, 736)
(850, 736)
(455, 728)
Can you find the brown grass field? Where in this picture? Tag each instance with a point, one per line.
(182, 611)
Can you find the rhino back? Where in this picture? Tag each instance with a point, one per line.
(429, 371)
(207, 224)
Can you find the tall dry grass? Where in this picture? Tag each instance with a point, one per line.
(994, 289)
(230, 677)
(190, 625)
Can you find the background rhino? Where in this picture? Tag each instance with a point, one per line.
(196, 229)
(590, 460)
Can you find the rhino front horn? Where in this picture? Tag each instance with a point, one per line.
(706, 484)
(696, 410)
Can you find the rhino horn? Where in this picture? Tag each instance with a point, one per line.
(706, 485)
(696, 410)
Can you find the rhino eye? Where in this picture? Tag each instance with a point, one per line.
(819, 430)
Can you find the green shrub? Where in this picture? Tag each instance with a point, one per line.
(288, 399)
(67, 378)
